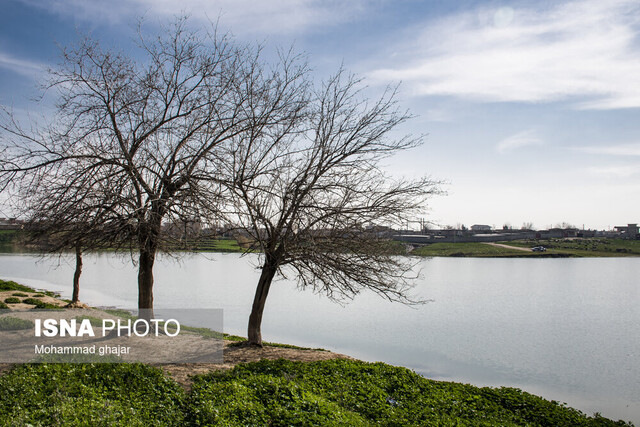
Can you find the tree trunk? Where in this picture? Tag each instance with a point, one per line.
(145, 282)
(255, 319)
(76, 275)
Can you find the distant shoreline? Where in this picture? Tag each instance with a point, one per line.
(10, 242)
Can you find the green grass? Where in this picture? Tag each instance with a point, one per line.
(94, 321)
(89, 394)
(470, 249)
(7, 237)
(281, 392)
(345, 392)
(8, 285)
(19, 294)
(219, 245)
(595, 247)
(14, 324)
(40, 305)
(203, 332)
(12, 300)
(242, 341)
(555, 248)
(121, 313)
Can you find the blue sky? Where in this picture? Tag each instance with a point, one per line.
(531, 108)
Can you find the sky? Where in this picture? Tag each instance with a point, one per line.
(530, 109)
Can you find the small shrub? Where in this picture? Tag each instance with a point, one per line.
(40, 305)
(3, 306)
(12, 300)
(19, 294)
(8, 285)
(14, 324)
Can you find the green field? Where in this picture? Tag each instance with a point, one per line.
(471, 249)
(327, 393)
(10, 241)
(215, 245)
(555, 248)
(595, 247)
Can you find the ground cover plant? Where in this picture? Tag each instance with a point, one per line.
(14, 324)
(9, 285)
(599, 247)
(335, 392)
(12, 300)
(89, 394)
(347, 392)
(469, 249)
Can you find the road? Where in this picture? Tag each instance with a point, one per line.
(500, 245)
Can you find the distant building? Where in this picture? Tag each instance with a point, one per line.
(480, 227)
(559, 233)
(630, 231)
(11, 224)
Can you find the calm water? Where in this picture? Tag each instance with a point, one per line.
(566, 329)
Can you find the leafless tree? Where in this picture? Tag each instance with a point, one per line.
(143, 132)
(65, 213)
(314, 201)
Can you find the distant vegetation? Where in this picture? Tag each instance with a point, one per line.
(593, 247)
(327, 393)
(555, 248)
(470, 249)
(13, 240)
(585, 247)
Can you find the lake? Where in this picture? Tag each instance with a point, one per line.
(565, 329)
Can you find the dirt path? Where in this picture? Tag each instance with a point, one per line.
(233, 354)
(500, 245)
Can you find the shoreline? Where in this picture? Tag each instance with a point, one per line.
(235, 355)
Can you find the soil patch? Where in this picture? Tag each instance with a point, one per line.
(233, 353)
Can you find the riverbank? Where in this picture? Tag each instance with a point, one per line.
(12, 242)
(314, 388)
(555, 248)
(270, 392)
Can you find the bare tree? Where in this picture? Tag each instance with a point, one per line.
(148, 129)
(312, 198)
(65, 214)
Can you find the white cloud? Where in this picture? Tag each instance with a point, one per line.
(244, 16)
(612, 150)
(519, 140)
(584, 51)
(20, 66)
(619, 171)
(438, 115)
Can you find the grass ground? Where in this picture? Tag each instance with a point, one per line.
(585, 247)
(555, 248)
(280, 392)
(10, 242)
(216, 245)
